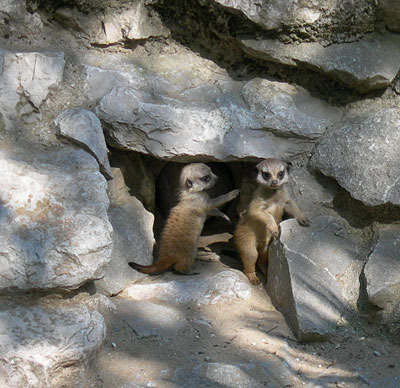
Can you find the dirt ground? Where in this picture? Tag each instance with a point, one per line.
(245, 343)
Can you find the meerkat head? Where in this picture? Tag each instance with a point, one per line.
(197, 177)
(272, 173)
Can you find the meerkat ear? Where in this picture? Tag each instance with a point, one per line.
(289, 166)
(188, 183)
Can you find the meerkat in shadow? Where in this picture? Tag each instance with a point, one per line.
(258, 224)
(179, 239)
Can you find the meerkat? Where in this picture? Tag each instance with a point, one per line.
(179, 239)
(258, 224)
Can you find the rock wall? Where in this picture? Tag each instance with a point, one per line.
(146, 82)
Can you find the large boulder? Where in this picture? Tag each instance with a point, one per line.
(54, 229)
(382, 274)
(362, 154)
(47, 347)
(225, 122)
(313, 275)
(26, 79)
(391, 14)
(362, 72)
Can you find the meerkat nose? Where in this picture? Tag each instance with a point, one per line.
(274, 182)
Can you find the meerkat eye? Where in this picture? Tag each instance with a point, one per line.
(206, 178)
(266, 175)
(281, 174)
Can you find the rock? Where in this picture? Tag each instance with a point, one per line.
(204, 124)
(208, 287)
(362, 72)
(313, 275)
(277, 14)
(55, 231)
(382, 274)
(131, 22)
(48, 346)
(148, 319)
(391, 14)
(133, 238)
(25, 81)
(83, 128)
(358, 151)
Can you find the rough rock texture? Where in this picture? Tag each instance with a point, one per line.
(391, 14)
(131, 22)
(83, 128)
(47, 347)
(349, 63)
(313, 275)
(276, 14)
(358, 151)
(25, 81)
(132, 237)
(53, 206)
(207, 287)
(217, 123)
(382, 274)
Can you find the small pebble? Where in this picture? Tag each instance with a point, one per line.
(377, 354)
(113, 344)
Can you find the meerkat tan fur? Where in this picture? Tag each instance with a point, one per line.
(179, 239)
(258, 224)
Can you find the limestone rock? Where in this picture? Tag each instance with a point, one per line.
(82, 127)
(382, 274)
(361, 154)
(349, 63)
(55, 231)
(131, 22)
(313, 275)
(133, 238)
(208, 287)
(25, 81)
(47, 346)
(208, 123)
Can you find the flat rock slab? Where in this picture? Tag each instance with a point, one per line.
(313, 275)
(382, 273)
(47, 346)
(54, 230)
(224, 121)
(148, 319)
(208, 287)
(26, 79)
(83, 128)
(349, 63)
(357, 151)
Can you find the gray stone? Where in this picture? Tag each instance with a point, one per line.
(361, 153)
(48, 346)
(25, 81)
(313, 275)
(148, 319)
(391, 14)
(350, 63)
(82, 127)
(131, 22)
(275, 14)
(133, 238)
(382, 274)
(254, 122)
(207, 287)
(54, 229)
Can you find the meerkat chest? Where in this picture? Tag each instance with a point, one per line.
(275, 207)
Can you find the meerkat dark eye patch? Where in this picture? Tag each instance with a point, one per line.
(206, 178)
(281, 174)
(266, 175)
(189, 183)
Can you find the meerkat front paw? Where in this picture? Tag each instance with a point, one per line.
(253, 278)
(234, 193)
(274, 231)
(303, 220)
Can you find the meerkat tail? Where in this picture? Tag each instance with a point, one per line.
(155, 268)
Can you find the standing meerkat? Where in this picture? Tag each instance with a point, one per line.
(179, 239)
(258, 224)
